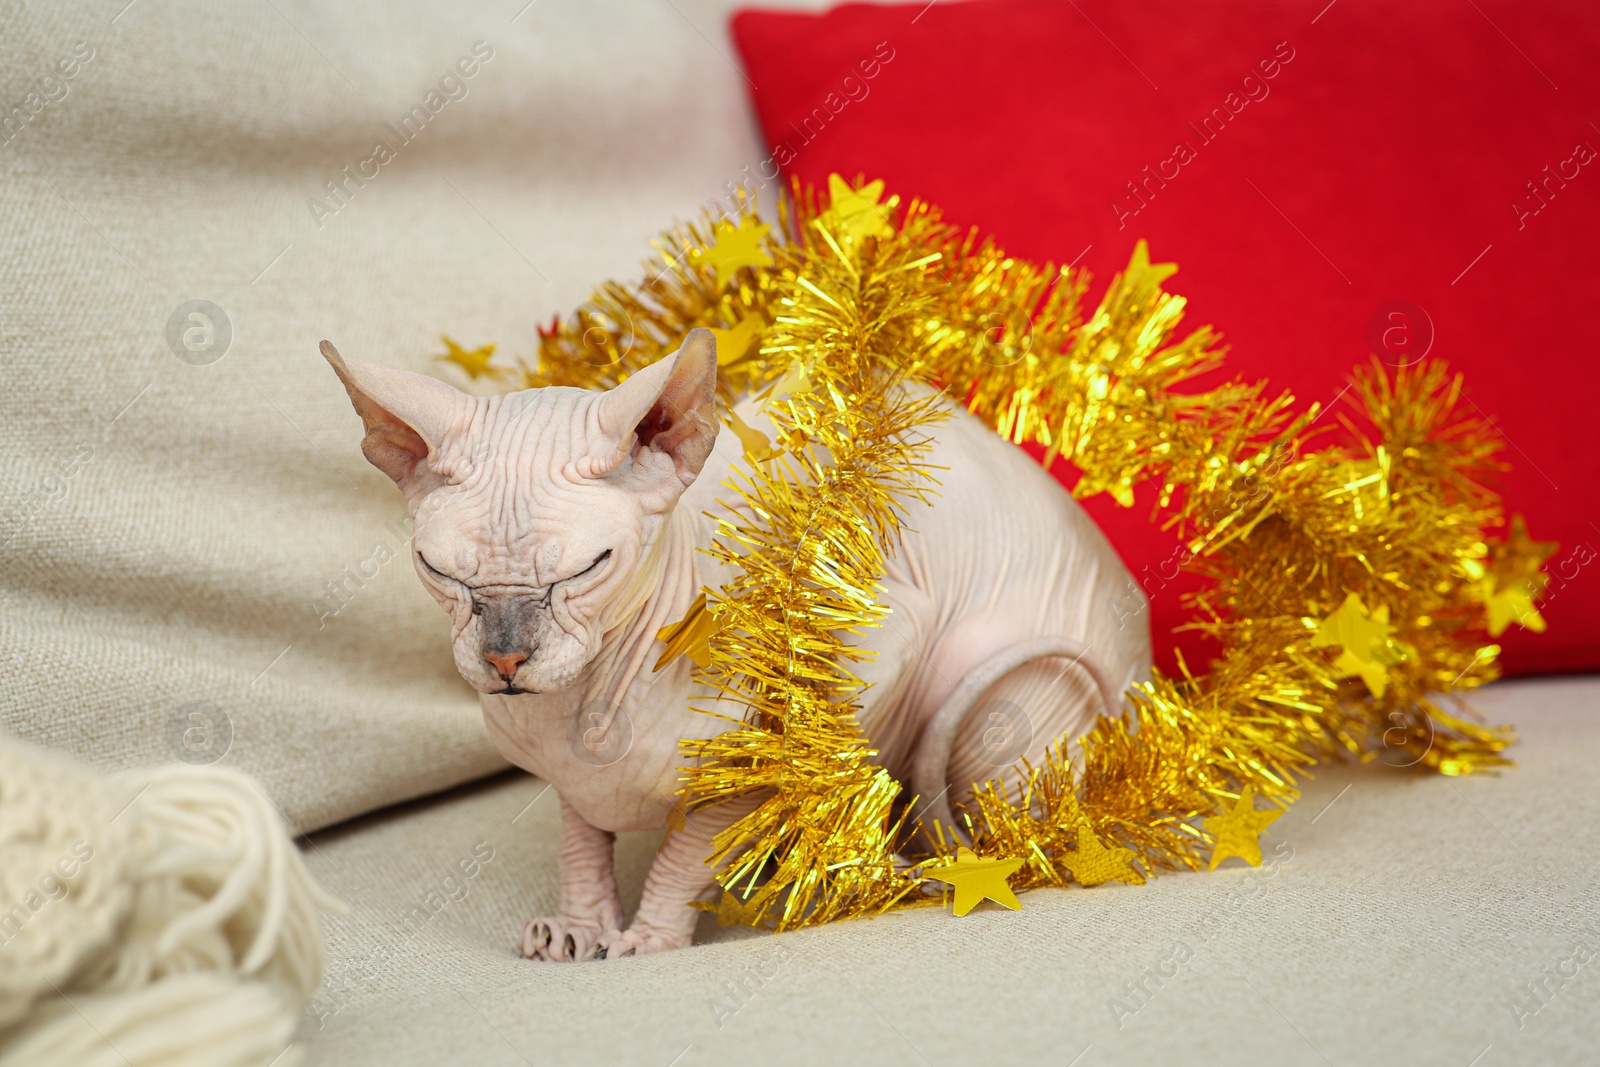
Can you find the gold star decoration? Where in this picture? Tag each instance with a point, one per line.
(1367, 650)
(794, 440)
(757, 446)
(1238, 833)
(1511, 605)
(733, 910)
(734, 247)
(690, 635)
(976, 880)
(475, 362)
(733, 345)
(1092, 863)
(855, 213)
(1513, 578)
(795, 380)
(1142, 272)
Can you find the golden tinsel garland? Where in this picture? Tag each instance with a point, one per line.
(1350, 583)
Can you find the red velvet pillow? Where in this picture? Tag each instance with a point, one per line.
(1363, 177)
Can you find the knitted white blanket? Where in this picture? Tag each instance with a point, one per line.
(151, 917)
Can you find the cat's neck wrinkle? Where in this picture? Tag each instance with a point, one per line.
(669, 581)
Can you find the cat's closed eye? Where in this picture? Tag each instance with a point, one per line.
(601, 558)
(431, 567)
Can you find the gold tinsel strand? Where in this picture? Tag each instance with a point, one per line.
(859, 300)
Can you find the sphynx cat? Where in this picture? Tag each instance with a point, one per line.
(559, 529)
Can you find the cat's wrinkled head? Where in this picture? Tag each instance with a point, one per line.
(534, 510)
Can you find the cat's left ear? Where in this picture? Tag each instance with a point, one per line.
(667, 411)
(406, 417)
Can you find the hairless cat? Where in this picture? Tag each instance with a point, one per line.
(559, 528)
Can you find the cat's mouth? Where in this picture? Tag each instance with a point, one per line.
(513, 691)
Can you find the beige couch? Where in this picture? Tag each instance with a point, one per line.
(194, 567)
(1396, 919)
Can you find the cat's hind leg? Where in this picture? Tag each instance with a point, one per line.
(1015, 704)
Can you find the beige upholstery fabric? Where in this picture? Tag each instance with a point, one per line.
(171, 532)
(1403, 918)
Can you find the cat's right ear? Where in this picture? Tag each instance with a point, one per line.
(406, 415)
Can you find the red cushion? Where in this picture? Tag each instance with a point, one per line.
(1378, 153)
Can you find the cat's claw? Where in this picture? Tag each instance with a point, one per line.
(559, 940)
(618, 944)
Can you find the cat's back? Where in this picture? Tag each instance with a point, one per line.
(1000, 552)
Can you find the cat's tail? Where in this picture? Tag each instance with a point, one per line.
(930, 771)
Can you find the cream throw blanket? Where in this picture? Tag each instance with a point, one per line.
(157, 916)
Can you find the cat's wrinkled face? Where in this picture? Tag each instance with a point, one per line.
(530, 558)
(536, 512)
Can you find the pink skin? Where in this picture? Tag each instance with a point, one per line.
(558, 528)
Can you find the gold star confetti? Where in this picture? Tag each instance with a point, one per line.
(690, 635)
(734, 344)
(733, 910)
(1514, 604)
(1513, 579)
(757, 446)
(735, 247)
(1238, 833)
(1141, 272)
(1520, 556)
(1364, 638)
(1093, 863)
(976, 880)
(475, 362)
(795, 380)
(856, 213)
(794, 440)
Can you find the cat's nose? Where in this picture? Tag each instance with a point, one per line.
(507, 663)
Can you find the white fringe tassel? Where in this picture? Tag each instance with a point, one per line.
(154, 918)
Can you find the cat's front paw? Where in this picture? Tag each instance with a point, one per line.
(637, 941)
(561, 939)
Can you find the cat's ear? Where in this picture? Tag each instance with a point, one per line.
(668, 408)
(406, 415)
